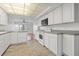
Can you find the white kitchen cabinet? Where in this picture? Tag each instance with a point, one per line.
(14, 38)
(68, 12)
(3, 17)
(7, 39)
(71, 45)
(68, 44)
(18, 37)
(53, 43)
(1, 45)
(4, 42)
(22, 37)
(58, 15)
(59, 44)
(50, 18)
(11, 38)
(50, 41)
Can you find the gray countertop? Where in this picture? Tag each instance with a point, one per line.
(1, 33)
(72, 28)
(62, 32)
(5, 32)
(72, 32)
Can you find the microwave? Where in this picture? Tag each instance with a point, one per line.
(44, 22)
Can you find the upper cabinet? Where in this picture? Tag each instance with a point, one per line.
(64, 13)
(3, 17)
(58, 15)
(50, 18)
(68, 12)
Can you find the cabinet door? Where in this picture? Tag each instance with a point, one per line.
(1, 45)
(14, 38)
(68, 44)
(58, 15)
(50, 18)
(68, 12)
(6, 41)
(22, 37)
(9, 38)
(53, 43)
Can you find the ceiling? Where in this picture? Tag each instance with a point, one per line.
(30, 11)
(26, 9)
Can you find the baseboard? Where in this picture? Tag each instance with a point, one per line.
(64, 54)
(50, 51)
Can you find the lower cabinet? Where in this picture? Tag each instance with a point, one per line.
(7, 39)
(14, 39)
(1, 45)
(11, 38)
(71, 45)
(21, 37)
(4, 42)
(50, 41)
(68, 44)
(18, 37)
(53, 43)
